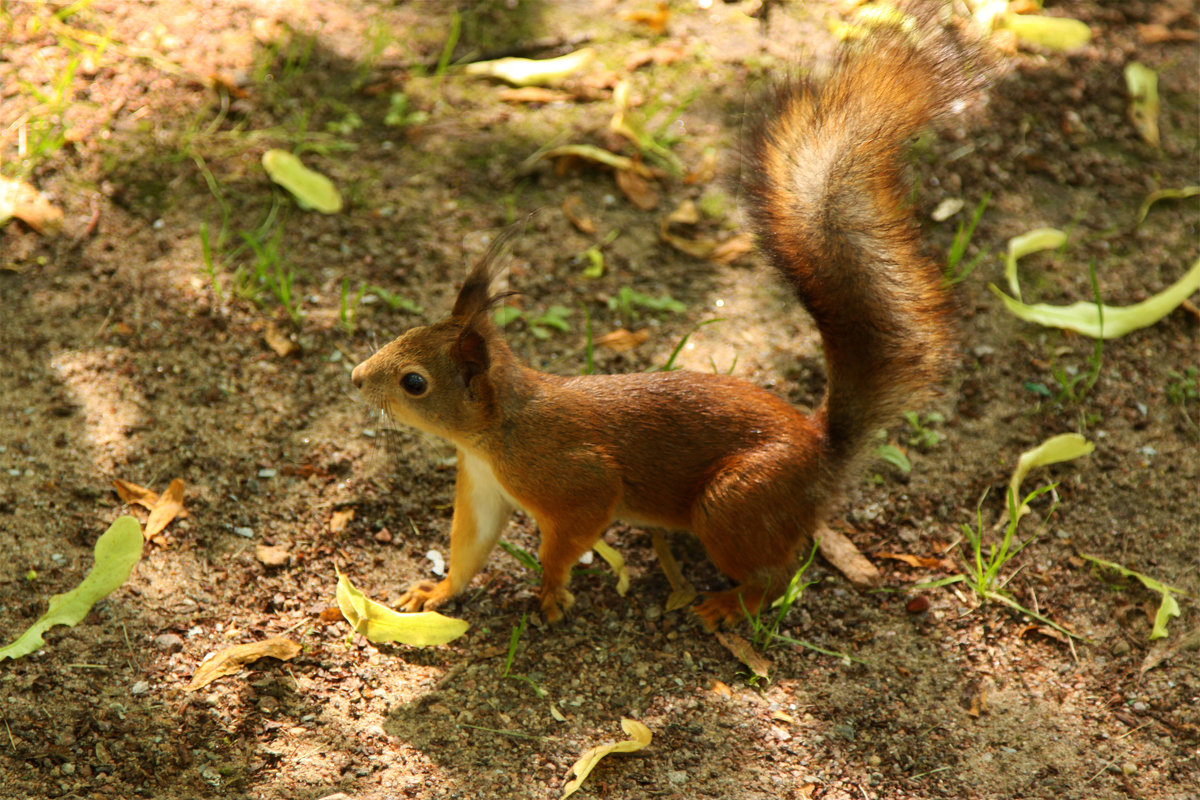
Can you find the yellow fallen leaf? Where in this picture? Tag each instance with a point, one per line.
(1064, 447)
(381, 624)
(311, 189)
(744, 652)
(533, 71)
(1084, 317)
(640, 738)
(1142, 83)
(682, 591)
(133, 494)
(231, 660)
(169, 505)
(1056, 33)
(1023, 245)
(614, 559)
(599, 155)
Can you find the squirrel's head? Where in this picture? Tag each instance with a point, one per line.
(439, 378)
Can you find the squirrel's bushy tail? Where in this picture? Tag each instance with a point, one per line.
(831, 207)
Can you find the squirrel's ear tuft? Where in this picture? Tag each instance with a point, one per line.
(476, 293)
(470, 353)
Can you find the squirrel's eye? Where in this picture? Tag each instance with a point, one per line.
(413, 383)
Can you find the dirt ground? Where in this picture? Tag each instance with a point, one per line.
(145, 122)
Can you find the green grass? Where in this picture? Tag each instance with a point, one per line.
(985, 564)
(514, 639)
(764, 625)
(958, 248)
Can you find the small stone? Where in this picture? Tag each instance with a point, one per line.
(677, 777)
(875, 761)
(168, 642)
(140, 688)
(68, 768)
(917, 605)
(1128, 768)
(267, 473)
(1120, 648)
(245, 532)
(383, 535)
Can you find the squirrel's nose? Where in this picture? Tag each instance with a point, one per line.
(356, 377)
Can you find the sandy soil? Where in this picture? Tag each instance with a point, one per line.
(121, 361)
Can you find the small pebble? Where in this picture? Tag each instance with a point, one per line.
(246, 532)
(383, 535)
(168, 642)
(266, 473)
(1129, 768)
(140, 688)
(918, 604)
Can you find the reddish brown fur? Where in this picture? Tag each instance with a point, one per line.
(751, 476)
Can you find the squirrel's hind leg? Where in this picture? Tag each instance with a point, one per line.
(751, 518)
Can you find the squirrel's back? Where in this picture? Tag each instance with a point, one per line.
(830, 202)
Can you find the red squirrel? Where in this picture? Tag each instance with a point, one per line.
(748, 474)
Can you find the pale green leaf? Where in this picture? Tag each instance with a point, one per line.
(1142, 83)
(533, 71)
(311, 189)
(1064, 447)
(117, 551)
(1056, 33)
(381, 624)
(1031, 242)
(1165, 194)
(1168, 607)
(1084, 317)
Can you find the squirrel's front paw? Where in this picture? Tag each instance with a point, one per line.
(426, 596)
(555, 602)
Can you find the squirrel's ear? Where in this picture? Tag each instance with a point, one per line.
(470, 353)
(476, 292)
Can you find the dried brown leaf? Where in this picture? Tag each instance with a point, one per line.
(21, 200)
(272, 555)
(733, 248)
(661, 55)
(705, 171)
(637, 189)
(279, 341)
(745, 653)
(655, 20)
(921, 562)
(574, 211)
(339, 519)
(621, 340)
(133, 494)
(231, 660)
(168, 507)
(534, 94)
